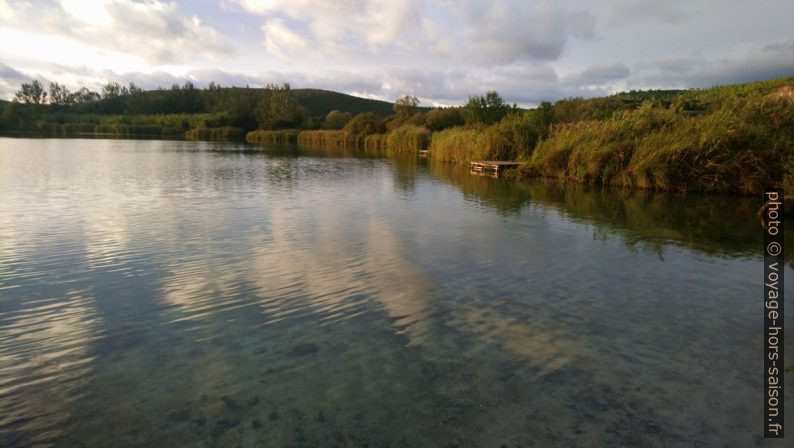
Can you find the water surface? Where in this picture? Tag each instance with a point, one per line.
(162, 293)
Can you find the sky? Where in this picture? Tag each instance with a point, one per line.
(439, 51)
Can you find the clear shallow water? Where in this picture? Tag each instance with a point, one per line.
(177, 293)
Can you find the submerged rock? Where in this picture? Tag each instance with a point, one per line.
(179, 416)
(224, 425)
(303, 349)
(230, 403)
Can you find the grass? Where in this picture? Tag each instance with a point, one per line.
(510, 139)
(282, 137)
(325, 139)
(376, 142)
(221, 134)
(407, 139)
(742, 146)
(65, 124)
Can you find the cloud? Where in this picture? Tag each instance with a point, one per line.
(669, 11)
(601, 74)
(363, 26)
(445, 87)
(505, 31)
(158, 32)
(280, 40)
(10, 80)
(743, 63)
(500, 31)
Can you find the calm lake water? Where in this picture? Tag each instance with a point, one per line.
(161, 293)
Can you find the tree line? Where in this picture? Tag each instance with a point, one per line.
(279, 107)
(273, 107)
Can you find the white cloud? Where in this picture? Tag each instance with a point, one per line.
(6, 13)
(499, 31)
(157, 32)
(439, 50)
(280, 40)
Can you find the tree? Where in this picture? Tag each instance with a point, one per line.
(278, 109)
(113, 90)
(60, 94)
(364, 124)
(442, 118)
(132, 89)
(31, 93)
(545, 114)
(486, 109)
(240, 103)
(85, 96)
(406, 106)
(336, 119)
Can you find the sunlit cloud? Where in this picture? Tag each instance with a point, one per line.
(439, 51)
(154, 31)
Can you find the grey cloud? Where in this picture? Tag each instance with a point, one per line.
(9, 73)
(524, 83)
(669, 11)
(505, 31)
(10, 80)
(599, 74)
(744, 64)
(680, 65)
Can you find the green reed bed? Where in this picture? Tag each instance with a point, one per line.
(510, 139)
(220, 134)
(325, 139)
(742, 146)
(282, 137)
(375, 142)
(408, 139)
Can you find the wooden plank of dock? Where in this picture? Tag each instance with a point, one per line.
(491, 167)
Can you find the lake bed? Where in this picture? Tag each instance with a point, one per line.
(163, 293)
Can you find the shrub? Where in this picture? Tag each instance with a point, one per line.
(362, 125)
(443, 118)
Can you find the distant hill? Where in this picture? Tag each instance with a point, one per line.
(320, 102)
(177, 101)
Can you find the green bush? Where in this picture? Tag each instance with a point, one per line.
(363, 125)
(443, 118)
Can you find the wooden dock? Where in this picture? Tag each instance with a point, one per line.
(491, 167)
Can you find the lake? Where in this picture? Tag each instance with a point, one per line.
(167, 293)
